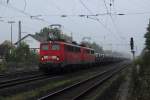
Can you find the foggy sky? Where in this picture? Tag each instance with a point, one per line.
(113, 32)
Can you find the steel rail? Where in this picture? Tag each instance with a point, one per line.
(14, 82)
(55, 94)
(17, 73)
(2, 75)
(85, 92)
(20, 81)
(19, 78)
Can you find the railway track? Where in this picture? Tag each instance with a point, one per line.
(17, 81)
(2, 75)
(16, 74)
(15, 86)
(78, 90)
(23, 80)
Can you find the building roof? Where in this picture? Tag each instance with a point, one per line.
(33, 36)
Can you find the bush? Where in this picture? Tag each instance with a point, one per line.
(3, 66)
(146, 58)
(21, 57)
(22, 54)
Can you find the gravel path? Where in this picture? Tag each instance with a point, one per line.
(123, 92)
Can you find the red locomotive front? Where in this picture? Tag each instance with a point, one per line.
(58, 55)
(51, 55)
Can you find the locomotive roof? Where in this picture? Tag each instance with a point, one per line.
(67, 43)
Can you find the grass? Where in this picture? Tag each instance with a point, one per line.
(2, 67)
(36, 92)
(140, 84)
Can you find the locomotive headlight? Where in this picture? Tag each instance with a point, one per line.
(57, 58)
(42, 58)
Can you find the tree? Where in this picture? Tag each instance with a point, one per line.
(44, 34)
(22, 54)
(146, 53)
(96, 47)
(5, 48)
(147, 37)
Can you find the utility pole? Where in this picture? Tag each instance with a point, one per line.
(11, 22)
(71, 36)
(19, 33)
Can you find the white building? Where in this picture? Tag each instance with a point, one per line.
(32, 41)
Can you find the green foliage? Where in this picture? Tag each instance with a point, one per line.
(147, 37)
(2, 66)
(146, 54)
(146, 58)
(138, 61)
(33, 58)
(44, 34)
(141, 79)
(5, 48)
(22, 54)
(97, 48)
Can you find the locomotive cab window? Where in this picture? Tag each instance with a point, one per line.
(55, 47)
(44, 47)
(92, 51)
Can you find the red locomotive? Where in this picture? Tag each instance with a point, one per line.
(57, 55)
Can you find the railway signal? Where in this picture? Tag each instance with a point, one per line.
(132, 47)
(132, 43)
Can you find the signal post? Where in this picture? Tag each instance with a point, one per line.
(132, 47)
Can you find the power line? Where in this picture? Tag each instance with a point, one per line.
(134, 13)
(94, 16)
(106, 6)
(82, 3)
(110, 14)
(97, 18)
(25, 13)
(113, 21)
(25, 4)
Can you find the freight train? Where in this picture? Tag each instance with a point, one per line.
(60, 55)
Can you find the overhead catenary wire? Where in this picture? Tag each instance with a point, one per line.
(60, 15)
(97, 18)
(113, 21)
(24, 13)
(25, 5)
(74, 15)
(65, 15)
(94, 16)
(106, 6)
